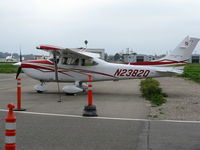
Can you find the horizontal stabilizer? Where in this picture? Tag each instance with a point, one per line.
(168, 70)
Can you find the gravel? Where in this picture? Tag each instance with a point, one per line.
(183, 101)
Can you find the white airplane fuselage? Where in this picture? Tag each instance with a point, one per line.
(43, 70)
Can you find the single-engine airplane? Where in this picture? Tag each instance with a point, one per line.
(75, 64)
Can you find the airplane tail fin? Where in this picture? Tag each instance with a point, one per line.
(177, 58)
(184, 50)
(181, 54)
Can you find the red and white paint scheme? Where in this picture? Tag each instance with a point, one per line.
(74, 65)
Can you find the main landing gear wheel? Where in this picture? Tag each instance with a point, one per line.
(71, 94)
(40, 88)
(39, 91)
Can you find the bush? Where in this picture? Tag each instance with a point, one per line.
(192, 71)
(158, 99)
(151, 91)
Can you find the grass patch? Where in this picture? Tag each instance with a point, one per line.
(162, 113)
(8, 68)
(192, 71)
(151, 91)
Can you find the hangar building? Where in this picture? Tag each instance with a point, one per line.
(195, 58)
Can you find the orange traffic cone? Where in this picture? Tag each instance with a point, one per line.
(10, 129)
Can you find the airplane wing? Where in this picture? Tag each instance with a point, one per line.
(80, 52)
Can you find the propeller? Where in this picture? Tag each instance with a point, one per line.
(18, 71)
(19, 64)
(56, 74)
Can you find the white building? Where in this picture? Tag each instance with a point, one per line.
(128, 58)
(134, 57)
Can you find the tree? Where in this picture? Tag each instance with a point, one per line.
(117, 57)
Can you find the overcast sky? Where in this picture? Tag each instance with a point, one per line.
(146, 26)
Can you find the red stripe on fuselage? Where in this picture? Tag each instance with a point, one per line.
(88, 71)
(34, 67)
(162, 62)
(38, 61)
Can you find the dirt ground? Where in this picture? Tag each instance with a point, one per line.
(183, 101)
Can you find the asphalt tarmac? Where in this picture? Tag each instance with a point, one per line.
(122, 122)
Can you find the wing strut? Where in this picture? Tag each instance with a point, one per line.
(56, 75)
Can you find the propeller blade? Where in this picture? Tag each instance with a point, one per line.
(20, 56)
(18, 72)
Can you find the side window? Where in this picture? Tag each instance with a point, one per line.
(70, 61)
(88, 62)
(64, 60)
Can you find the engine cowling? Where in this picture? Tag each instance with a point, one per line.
(72, 89)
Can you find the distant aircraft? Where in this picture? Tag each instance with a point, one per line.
(74, 65)
(10, 58)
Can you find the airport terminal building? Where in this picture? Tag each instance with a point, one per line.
(127, 58)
